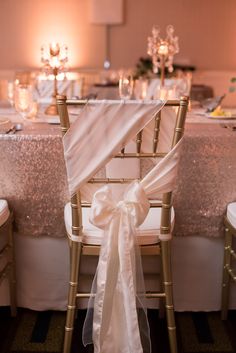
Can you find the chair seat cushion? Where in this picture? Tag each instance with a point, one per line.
(4, 212)
(231, 213)
(148, 232)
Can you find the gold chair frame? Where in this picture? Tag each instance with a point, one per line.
(77, 249)
(229, 274)
(9, 270)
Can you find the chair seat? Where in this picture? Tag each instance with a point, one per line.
(148, 233)
(4, 212)
(231, 213)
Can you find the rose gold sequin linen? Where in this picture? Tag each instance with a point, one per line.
(33, 180)
(207, 180)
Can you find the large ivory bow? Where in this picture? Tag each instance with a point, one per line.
(118, 284)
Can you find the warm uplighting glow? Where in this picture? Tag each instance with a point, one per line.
(163, 49)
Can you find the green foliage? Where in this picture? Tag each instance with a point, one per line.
(144, 69)
(232, 88)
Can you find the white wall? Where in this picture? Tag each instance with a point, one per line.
(206, 30)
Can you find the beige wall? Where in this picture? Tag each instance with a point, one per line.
(206, 30)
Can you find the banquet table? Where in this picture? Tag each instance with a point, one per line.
(33, 180)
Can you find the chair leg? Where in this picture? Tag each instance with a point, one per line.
(75, 252)
(12, 271)
(226, 276)
(161, 300)
(167, 277)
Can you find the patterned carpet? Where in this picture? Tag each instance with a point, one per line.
(43, 332)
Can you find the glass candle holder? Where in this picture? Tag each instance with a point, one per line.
(23, 100)
(126, 86)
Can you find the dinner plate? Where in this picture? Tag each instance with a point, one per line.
(45, 119)
(54, 120)
(4, 121)
(233, 116)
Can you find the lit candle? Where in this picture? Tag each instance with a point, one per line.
(163, 49)
(144, 89)
(54, 62)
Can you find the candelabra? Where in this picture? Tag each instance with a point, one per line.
(53, 57)
(162, 51)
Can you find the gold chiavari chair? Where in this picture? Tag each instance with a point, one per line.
(229, 273)
(7, 248)
(164, 220)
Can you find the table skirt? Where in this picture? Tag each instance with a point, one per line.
(43, 270)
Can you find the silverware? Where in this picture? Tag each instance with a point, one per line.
(10, 129)
(14, 128)
(229, 126)
(18, 127)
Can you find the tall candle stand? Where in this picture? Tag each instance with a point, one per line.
(162, 51)
(53, 57)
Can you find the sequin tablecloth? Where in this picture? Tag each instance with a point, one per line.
(33, 179)
(207, 179)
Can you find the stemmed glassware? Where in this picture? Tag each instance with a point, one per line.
(24, 100)
(11, 92)
(140, 88)
(126, 86)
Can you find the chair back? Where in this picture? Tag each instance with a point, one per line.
(143, 150)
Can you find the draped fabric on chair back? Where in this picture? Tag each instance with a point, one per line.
(101, 132)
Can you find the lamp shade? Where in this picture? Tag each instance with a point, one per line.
(106, 11)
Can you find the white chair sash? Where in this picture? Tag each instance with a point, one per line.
(112, 321)
(115, 317)
(99, 133)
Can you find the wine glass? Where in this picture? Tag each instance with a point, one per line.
(140, 88)
(24, 100)
(126, 85)
(10, 92)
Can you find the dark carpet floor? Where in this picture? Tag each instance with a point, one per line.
(42, 332)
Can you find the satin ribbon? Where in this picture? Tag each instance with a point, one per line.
(118, 283)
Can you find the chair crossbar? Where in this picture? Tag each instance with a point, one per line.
(140, 155)
(110, 181)
(81, 102)
(233, 254)
(85, 295)
(146, 250)
(148, 295)
(232, 273)
(153, 204)
(152, 295)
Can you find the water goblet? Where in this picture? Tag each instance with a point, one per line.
(126, 85)
(23, 100)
